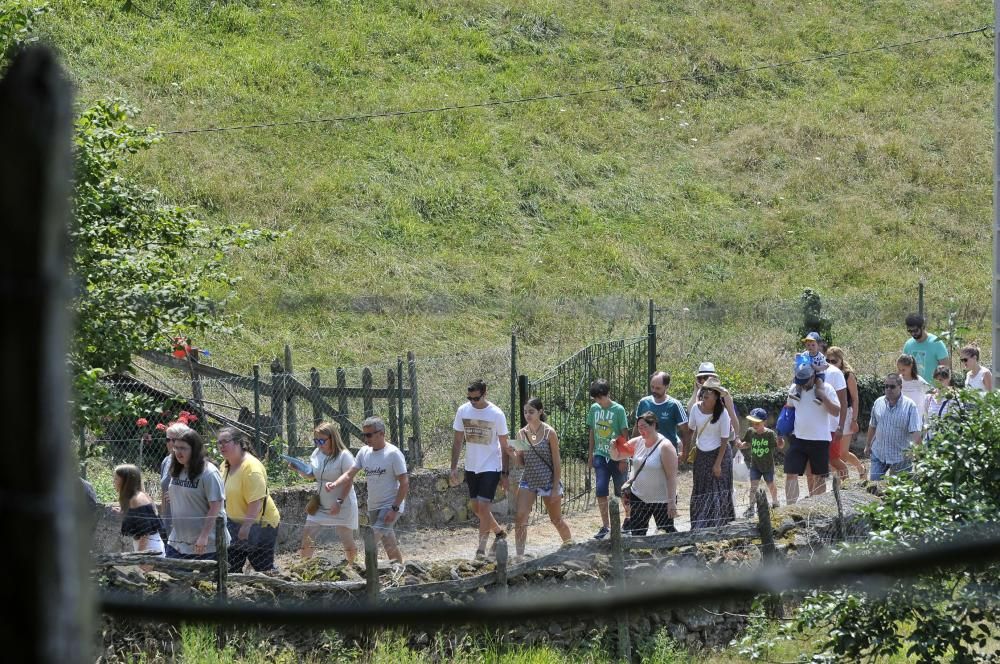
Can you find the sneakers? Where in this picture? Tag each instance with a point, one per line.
(602, 533)
(567, 543)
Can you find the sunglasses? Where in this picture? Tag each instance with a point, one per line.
(474, 399)
(319, 442)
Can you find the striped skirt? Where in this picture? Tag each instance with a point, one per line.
(711, 496)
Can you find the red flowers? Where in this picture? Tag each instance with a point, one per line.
(141, 422)
(161, 427)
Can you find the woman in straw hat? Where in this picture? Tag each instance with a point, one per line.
(712, 492)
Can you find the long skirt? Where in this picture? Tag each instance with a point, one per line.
(711, 496)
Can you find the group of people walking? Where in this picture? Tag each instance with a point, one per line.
(639, 462)
(195, 492)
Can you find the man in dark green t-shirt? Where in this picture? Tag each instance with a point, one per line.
(605, 420)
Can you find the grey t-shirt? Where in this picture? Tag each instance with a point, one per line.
(189, 503)
(381, 467)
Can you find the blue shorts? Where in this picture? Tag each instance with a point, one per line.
(377, 520)
(756, 475)
(607, 471)
(541, 493)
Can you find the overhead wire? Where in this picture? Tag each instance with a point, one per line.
(622, 87)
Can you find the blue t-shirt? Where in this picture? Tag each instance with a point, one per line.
(928, 353)
(669, 414)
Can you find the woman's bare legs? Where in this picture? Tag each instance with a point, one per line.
(525, 500)
(553, 504)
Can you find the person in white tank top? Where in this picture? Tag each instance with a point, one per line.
(652, 484)
(977, 377)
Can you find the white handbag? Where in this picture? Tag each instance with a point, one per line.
(741, 472)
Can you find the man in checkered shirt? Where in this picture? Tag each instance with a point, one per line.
(894, 428)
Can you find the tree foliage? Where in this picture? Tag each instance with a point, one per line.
(145, 270)
(951, 614)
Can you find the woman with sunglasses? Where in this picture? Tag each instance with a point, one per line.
(253, 516)
(338, 508)
(196, 499)
(977, 377)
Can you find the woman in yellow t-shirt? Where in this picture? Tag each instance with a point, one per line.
(253, 516)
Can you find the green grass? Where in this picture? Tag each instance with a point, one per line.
(441, 232)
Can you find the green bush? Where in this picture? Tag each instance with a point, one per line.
(951, 614)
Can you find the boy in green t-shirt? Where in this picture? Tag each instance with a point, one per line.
(758, 445)
(606, 420)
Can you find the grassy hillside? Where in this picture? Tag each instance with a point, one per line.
(434, 232)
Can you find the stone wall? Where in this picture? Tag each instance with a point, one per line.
(431, 503)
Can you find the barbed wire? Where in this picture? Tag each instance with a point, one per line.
(623, 87)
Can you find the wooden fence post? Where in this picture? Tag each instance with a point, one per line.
(399, 406)
(222, 557)
(418, 453)
(48, 588)
(371, 565)
(501, 554)
(618, 573)
(764, 526)
(390, 384)
(366, 397)
(256, 411)
(278, 399)
(314, 385)
(290, 419)
(221, 572)
(841, 526)
(342, 407)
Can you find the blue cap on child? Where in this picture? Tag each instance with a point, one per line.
(757, 415)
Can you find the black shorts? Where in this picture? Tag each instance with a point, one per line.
(815, 452)
(482, 486)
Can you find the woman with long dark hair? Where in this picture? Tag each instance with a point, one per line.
(253, 516)
(139, 518)
(712, 491)
(196, 499)
(542, 474)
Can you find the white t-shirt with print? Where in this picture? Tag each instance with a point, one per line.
(482, 428)
(834, 377)
(382, 468)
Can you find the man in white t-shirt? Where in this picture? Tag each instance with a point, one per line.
(810, 444)
(483, 428)
(388, 484)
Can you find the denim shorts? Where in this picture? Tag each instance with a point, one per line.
(607, 471)
(756, 475)
(541, 493)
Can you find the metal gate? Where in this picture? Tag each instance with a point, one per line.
(564, 392)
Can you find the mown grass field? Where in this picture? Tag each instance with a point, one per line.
(444, 231)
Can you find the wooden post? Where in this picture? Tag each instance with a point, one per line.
(291, 423)
(502, 567)
(345, 430)
(222, 571)
(764, 526)
(371, 564)
(366, 397)
(390, 384)
(522, 398)
(222, 557)
(618, 573)
(841, 526)
(399, 406)
(256, 411)
(418, 452)
(314, 385)
(48, 588)
(768, 550)
(278, 398)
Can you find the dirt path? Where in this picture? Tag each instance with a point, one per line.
(459, 542)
